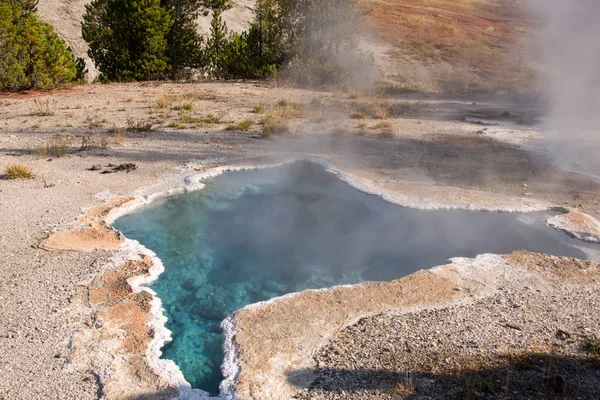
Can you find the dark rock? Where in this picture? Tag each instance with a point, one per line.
(513, 326)
(506, 114)
(128, 167)
(562, 335)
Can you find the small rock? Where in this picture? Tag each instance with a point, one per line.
(562, 335)
(506, 114)
(513, 326)
(96, 168)
(127, 167)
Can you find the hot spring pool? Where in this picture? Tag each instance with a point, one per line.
(253, 235)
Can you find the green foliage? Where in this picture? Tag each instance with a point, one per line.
(312, 41)
(128, 38)
(183, 41)
(31, 53)
(216, 52)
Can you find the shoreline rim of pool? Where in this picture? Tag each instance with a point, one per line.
(132, 250)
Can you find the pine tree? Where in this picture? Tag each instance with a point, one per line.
(128, 38)
(218, 40)
(31, 53)
(183, 41)
(313, 39)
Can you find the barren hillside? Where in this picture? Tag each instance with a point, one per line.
(419, 45)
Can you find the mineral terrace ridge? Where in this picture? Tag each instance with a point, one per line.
(77, 323)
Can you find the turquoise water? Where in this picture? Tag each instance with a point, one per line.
(253, 235)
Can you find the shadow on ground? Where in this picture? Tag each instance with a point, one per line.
(520, 376)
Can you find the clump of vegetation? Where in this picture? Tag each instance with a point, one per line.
(354, 95)
(380, 110)
(177, 125)
(244, 126)
(162, 103)
(93, 121)
(340, 131)
(184, 107)
(358, 115)
(591, 344)
(90, 140)
(18, 171)
(119, 135)
(311, 41)
(259, 109)
(404, 388)
(275, 123)
(44, 108)
(127, 39)
(138, 125)
(361, 129)
(385, 128)
(31, 53)
(55, 146)
(210, 119)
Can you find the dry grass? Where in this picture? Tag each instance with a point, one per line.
(385, 128)
(591, 344)
(340, 131)
(274, 123)
(55, 146)
(119, 136)
(380, 109)
(18, 171)
(44, 108)
(483, 37)
(91, 140)
(177, 125)
(404, 388)
(259, 109)
(358, 115)
(139, 125)
(184, 107)
(245, 126)
(162, 103)
(187, 118)
(354, 95)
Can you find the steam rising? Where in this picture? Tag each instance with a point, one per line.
(569, 42)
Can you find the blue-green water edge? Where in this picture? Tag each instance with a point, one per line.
(253, 235)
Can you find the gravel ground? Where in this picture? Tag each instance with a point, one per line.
(431, 149)
(532, 340)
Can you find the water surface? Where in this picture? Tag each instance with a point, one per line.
(250, 236)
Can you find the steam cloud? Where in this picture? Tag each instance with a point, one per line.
(569, 46)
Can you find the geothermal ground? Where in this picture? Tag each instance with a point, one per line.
(72, 325)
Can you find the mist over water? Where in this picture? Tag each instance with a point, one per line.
(567, 42)
(253, 235)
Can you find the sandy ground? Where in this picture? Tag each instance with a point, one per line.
(443, 152)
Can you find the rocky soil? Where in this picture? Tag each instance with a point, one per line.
(520, 344)
(433, 156)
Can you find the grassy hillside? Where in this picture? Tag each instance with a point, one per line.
(452, 45)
